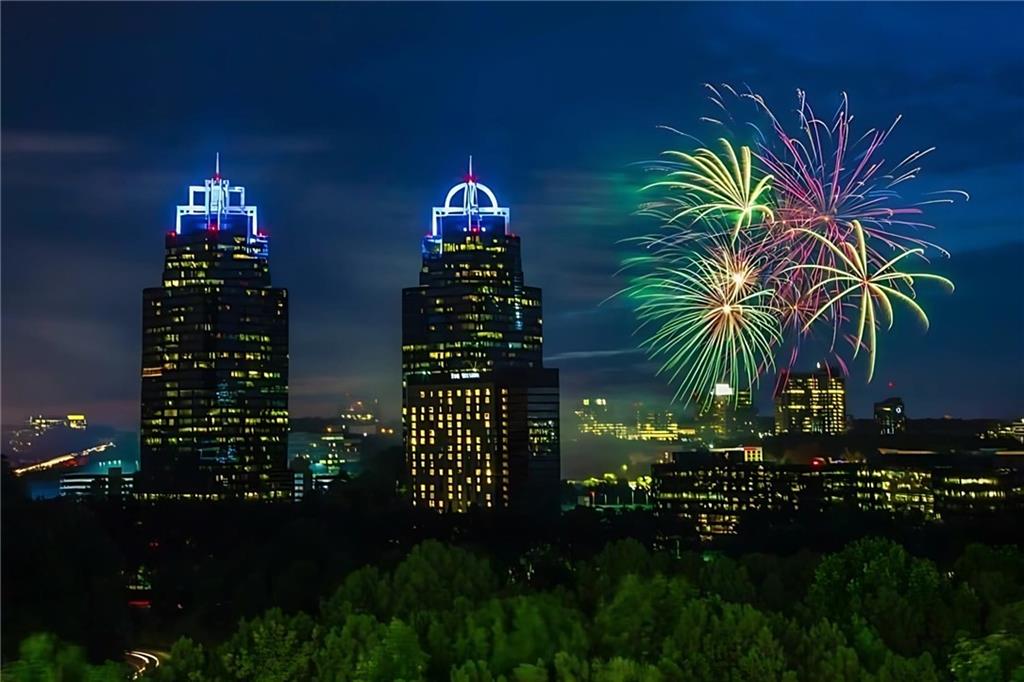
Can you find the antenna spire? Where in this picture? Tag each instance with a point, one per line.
(216, 171)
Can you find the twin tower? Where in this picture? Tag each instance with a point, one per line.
(480, 411)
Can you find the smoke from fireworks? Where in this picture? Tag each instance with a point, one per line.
(796, 235)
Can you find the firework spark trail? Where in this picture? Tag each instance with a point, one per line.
(768, 245)
(716, 185)
(859, 276)
(712, 321)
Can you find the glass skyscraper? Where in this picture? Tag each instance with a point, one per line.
(480, 410)
(214, 356)
(811, 402)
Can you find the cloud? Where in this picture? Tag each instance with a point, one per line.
(57, 143)
(591, 354)
(274, 145)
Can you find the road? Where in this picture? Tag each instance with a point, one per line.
(144, 661)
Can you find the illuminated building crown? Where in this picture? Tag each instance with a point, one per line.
(470, 206)
(215, 199)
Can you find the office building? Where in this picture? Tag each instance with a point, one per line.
(215, 356)
(480, 410)
(594, 419)
(890, 417)
(811, 402)
(114, 484)
(717, 490)
(728, 414)
(658, 426)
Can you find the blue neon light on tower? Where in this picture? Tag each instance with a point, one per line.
(214, 355)
(481, 409)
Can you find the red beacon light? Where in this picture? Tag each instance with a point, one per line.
(817, 462)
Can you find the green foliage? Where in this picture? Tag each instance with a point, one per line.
(639, 615)
(44, 658)
(726, 578)
(823, 653)
(994, 574)
(599, 576)
(188, 662)
(905, 599)
(625, 670)
(716, 640)
(434, 576)
(998, 656)
(1008, 618)
(365, 649)
(899, 669)
(472, 671)
(364, 590)
(870, 613)
(272, 648)
(504, 633)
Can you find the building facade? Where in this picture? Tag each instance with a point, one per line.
(480, 410)
(717, 490)
(890, 416)
(811, 402)
(728, 415)
(214, 356)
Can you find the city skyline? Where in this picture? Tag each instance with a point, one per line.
(344, 201)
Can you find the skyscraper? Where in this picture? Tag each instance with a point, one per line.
(214, 356)
(729, 414)
(480, 410)
(811, 402)
(890, 417)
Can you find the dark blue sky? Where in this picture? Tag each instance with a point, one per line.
(347, 122)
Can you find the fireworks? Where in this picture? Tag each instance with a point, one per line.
(873, 284)
(711, 319)
(710, 186)
(797, 235)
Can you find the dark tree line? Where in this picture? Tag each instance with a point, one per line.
(329, 590)
(868, 612)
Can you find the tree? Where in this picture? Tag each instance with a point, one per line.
(904, 598)
(365, 649)
(639, 615)
(364, 590)
(897, 668)
(995, 574)
(995, 657)
(44, 658)
(396, 658)
(504, 633)
(187, 662)
(716, 640)
(625, 670)
(823, 653)
(600, 575)
(345, 646)
(725, 578)
(435, 575)
(274, 647)
(472, 671)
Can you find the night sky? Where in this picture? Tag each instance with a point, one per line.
(347, 122)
